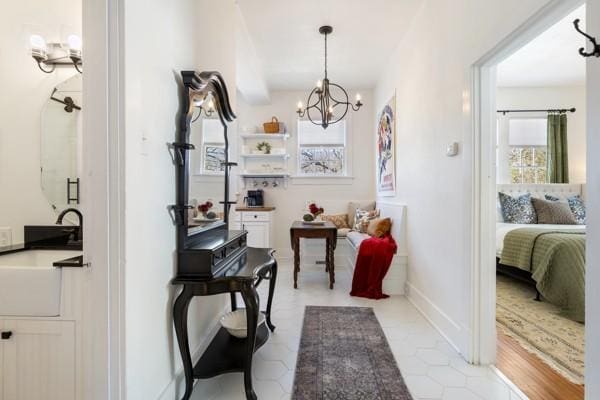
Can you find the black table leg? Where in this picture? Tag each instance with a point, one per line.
(272, 282)
(180, 314)
(296, 248)
(251, 301)
(331, 261)
(233, 301)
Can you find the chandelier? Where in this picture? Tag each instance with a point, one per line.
(328, 102)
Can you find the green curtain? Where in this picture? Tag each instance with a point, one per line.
(558, 157)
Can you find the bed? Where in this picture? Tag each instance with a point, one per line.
(550, 257)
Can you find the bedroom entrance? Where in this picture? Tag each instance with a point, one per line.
(532, 187)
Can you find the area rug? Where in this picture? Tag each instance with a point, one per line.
(540, 329)
(344, 355)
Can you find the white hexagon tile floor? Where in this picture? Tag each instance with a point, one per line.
(431, 367)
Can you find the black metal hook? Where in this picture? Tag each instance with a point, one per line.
(596, 50)
(68, 102)
(179, 148)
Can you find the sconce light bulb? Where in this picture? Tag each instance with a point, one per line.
(37, 43)
(74, 42)
(211, 104)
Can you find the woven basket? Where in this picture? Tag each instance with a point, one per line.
(272, 127)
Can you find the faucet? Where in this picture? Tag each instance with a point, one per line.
(59, 220)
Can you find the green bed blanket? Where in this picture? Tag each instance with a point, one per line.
(556, 260)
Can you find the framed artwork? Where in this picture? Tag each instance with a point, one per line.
(386, 142)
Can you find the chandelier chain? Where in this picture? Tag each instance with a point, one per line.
(325, 56)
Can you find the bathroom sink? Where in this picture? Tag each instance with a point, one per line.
(29, 284)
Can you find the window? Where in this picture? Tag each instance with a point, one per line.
(321, 152)
(522, 150)
(214, 157)
(213, 147)
(527, 150)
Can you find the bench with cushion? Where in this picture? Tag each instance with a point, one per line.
(349, 241)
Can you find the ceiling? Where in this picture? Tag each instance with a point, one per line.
(551, 59)
(290, 48)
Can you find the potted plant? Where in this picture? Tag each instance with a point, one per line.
(264, 147)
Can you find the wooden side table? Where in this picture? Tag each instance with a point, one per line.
(327, 231)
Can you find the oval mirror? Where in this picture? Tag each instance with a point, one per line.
(60, 152)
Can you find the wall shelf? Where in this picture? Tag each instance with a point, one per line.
(253, 161)
(264, 175)
(282, 156)
(259, 136)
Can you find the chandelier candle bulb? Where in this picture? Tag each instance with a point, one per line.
(358, 97)
(319, 84)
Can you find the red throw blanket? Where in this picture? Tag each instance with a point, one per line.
(372, 263)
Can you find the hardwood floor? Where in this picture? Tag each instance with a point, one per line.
(536, 379)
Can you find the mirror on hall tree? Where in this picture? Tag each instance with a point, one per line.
(206, 168)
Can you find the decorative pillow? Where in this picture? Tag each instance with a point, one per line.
(362, 219)
(550, 197)
(576, 205)
(553, 212)
(353, 206)
(517, 210)
(339, 220)
(379, 227)
(578, 209)
(372, 226)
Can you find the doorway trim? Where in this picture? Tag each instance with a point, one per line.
(104, 183)
(483, 106)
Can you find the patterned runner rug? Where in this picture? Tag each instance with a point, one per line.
(540, 329)
(344, 355)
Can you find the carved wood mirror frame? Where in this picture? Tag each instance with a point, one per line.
(198, 86)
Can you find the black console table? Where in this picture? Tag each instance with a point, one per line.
(227, 353)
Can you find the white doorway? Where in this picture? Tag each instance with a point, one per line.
(484, 176)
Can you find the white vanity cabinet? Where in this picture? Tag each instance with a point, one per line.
(38, 360)
(258, 223)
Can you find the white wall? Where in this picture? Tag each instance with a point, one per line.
(592, 350)
(25, 90)
(159, 44)
(554, 97)
(431, 73)
(332, 194)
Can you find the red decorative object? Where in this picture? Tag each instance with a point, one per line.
(203, 208)
(372, 263)
(315, 210)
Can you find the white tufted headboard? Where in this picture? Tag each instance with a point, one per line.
(560, 190)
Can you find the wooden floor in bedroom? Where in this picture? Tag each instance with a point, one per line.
(535, 378)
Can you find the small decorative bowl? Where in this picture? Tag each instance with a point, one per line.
(235, 323)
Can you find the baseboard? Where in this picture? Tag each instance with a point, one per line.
(177, 385)
(449, 329)
(515, 389)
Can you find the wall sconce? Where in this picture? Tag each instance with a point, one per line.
(208, 110)
(50, 55)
